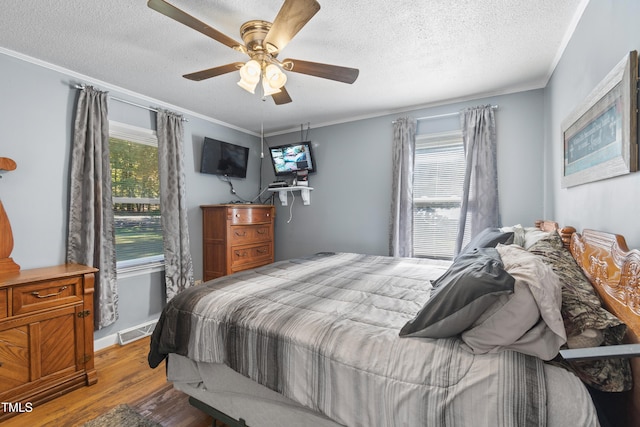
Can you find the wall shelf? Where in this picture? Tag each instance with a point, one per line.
(305, 192)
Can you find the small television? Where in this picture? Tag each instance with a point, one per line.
(292, 158)
(223, 158)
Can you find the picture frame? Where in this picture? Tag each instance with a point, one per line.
(599, 137)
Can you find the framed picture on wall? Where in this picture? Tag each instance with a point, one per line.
(600, 136)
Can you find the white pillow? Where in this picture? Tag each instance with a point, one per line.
(532, 235)
(518, 233)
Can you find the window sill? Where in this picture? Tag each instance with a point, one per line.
(139, 267)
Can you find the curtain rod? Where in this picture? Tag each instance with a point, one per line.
(439, 116)
(155, 110)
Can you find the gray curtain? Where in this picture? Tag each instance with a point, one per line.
(173, 204)
(480, 193)
(401, 234)
(91, 237)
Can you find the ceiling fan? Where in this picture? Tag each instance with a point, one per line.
(262, 42)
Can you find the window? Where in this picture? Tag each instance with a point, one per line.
(136, 196)
(437, 193)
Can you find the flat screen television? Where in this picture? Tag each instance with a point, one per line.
(291, 158)
(223, 158)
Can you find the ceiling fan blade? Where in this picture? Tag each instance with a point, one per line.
(293, 15)
(213, 72)
(184, 18)
(326, 71)
(281, 97)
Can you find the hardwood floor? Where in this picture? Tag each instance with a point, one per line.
(123, 377)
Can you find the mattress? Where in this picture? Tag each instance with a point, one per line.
(235, 395)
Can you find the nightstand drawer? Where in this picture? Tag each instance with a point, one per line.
(45, 295)
(245, 234)
(3, 303)
(249, 215)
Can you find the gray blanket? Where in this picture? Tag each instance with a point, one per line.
(323, 331)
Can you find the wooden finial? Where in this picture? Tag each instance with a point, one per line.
(6, 236)
(7, 164)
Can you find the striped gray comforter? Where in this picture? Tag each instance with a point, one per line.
(323, 331)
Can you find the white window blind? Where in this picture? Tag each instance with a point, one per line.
(437, 191)
(136, 196)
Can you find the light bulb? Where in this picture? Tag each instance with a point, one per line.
(250, 75)
(274, 76)
(268, 90)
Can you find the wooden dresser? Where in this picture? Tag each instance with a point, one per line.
(46, 334)
(236, 237)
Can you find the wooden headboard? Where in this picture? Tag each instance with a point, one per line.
(614, 272)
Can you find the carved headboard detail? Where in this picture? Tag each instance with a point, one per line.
(614, 271)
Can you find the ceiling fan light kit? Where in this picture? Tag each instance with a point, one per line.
(263, 41)
(272, 77)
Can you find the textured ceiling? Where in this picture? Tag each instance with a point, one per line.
(410, 53)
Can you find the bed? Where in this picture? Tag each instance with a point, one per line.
(339, 339)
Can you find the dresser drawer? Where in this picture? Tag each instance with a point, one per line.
(259, 254)
(45, 295)
(248, 215)
(245, 234)
(3, 303)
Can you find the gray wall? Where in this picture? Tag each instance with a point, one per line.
(607, 32)
(36, 122)
(350, 203)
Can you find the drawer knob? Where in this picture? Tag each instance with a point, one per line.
(37, 294)
(262, 251)
(262, 231)
(239, 234)
(241, 254)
